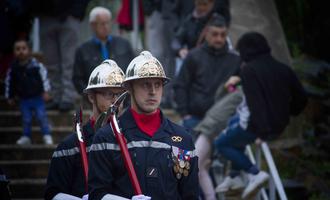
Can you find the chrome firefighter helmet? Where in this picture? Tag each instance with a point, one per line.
(145, 66)
(107, 74)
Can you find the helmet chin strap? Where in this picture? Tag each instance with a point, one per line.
(96, 109)
(138, 107)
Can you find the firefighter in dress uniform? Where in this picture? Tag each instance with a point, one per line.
(162, 152)
(66, 176)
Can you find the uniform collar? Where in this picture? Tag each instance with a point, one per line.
(127, 123)
(88, 129)
(150, 123)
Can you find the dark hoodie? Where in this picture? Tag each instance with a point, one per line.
(272, 90)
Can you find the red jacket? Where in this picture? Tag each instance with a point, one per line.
(125, 15)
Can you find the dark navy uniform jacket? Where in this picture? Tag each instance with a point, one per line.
(152, 160)
(66, 173)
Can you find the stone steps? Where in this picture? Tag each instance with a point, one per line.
(33, 169)
(9, 135)
(55, 118)
(25, 188)
(31, 152)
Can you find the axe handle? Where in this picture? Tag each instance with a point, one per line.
(84, 160)
(125, 154)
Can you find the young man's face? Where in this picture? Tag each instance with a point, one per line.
(102, 98)
(21, 50)
(216, 36)
(146, 94)
(101, 26)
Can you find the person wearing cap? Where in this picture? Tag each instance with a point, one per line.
(162, 152)
(66, 176)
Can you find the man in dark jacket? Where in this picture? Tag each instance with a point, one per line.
(272, 93)
(102, 46)
(66, 179)
(203, 71)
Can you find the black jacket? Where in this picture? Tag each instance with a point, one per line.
(88, 56)
(58, 8)
(26, 81)
(188, 33)
(273, 93)
(152, 160)
(202, 72)
(66, 173)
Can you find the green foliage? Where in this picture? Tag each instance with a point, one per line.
(306, 25)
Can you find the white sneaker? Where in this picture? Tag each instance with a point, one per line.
(255, 183)
(23, 140)
(230, 184)
(48, 139)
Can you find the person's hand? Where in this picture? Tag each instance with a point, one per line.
(186, 117)
(11, 102)
(46, 96)
(140, 197)
(258, 141)
(85, 197)
(232, 81)
(183, 53)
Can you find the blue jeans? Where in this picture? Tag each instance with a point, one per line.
(191, 122)
(231, 144)
(27, 107)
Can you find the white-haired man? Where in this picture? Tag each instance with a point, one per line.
(101, 46)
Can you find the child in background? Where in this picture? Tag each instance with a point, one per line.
(27, 81)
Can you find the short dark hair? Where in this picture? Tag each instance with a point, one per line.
(28, 43)
(251, 45)
(217, 20)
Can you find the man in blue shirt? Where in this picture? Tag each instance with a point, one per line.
(101, 46)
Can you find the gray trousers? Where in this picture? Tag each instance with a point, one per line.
(159, 34)
(216, 118)
(59, 40)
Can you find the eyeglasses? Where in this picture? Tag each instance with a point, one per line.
(108, 94)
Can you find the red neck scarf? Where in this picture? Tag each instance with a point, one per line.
(93, 121)
(148, 124)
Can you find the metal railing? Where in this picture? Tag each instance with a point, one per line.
(35, 35)
(275, 182)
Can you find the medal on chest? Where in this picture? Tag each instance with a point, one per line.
(181, 160)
